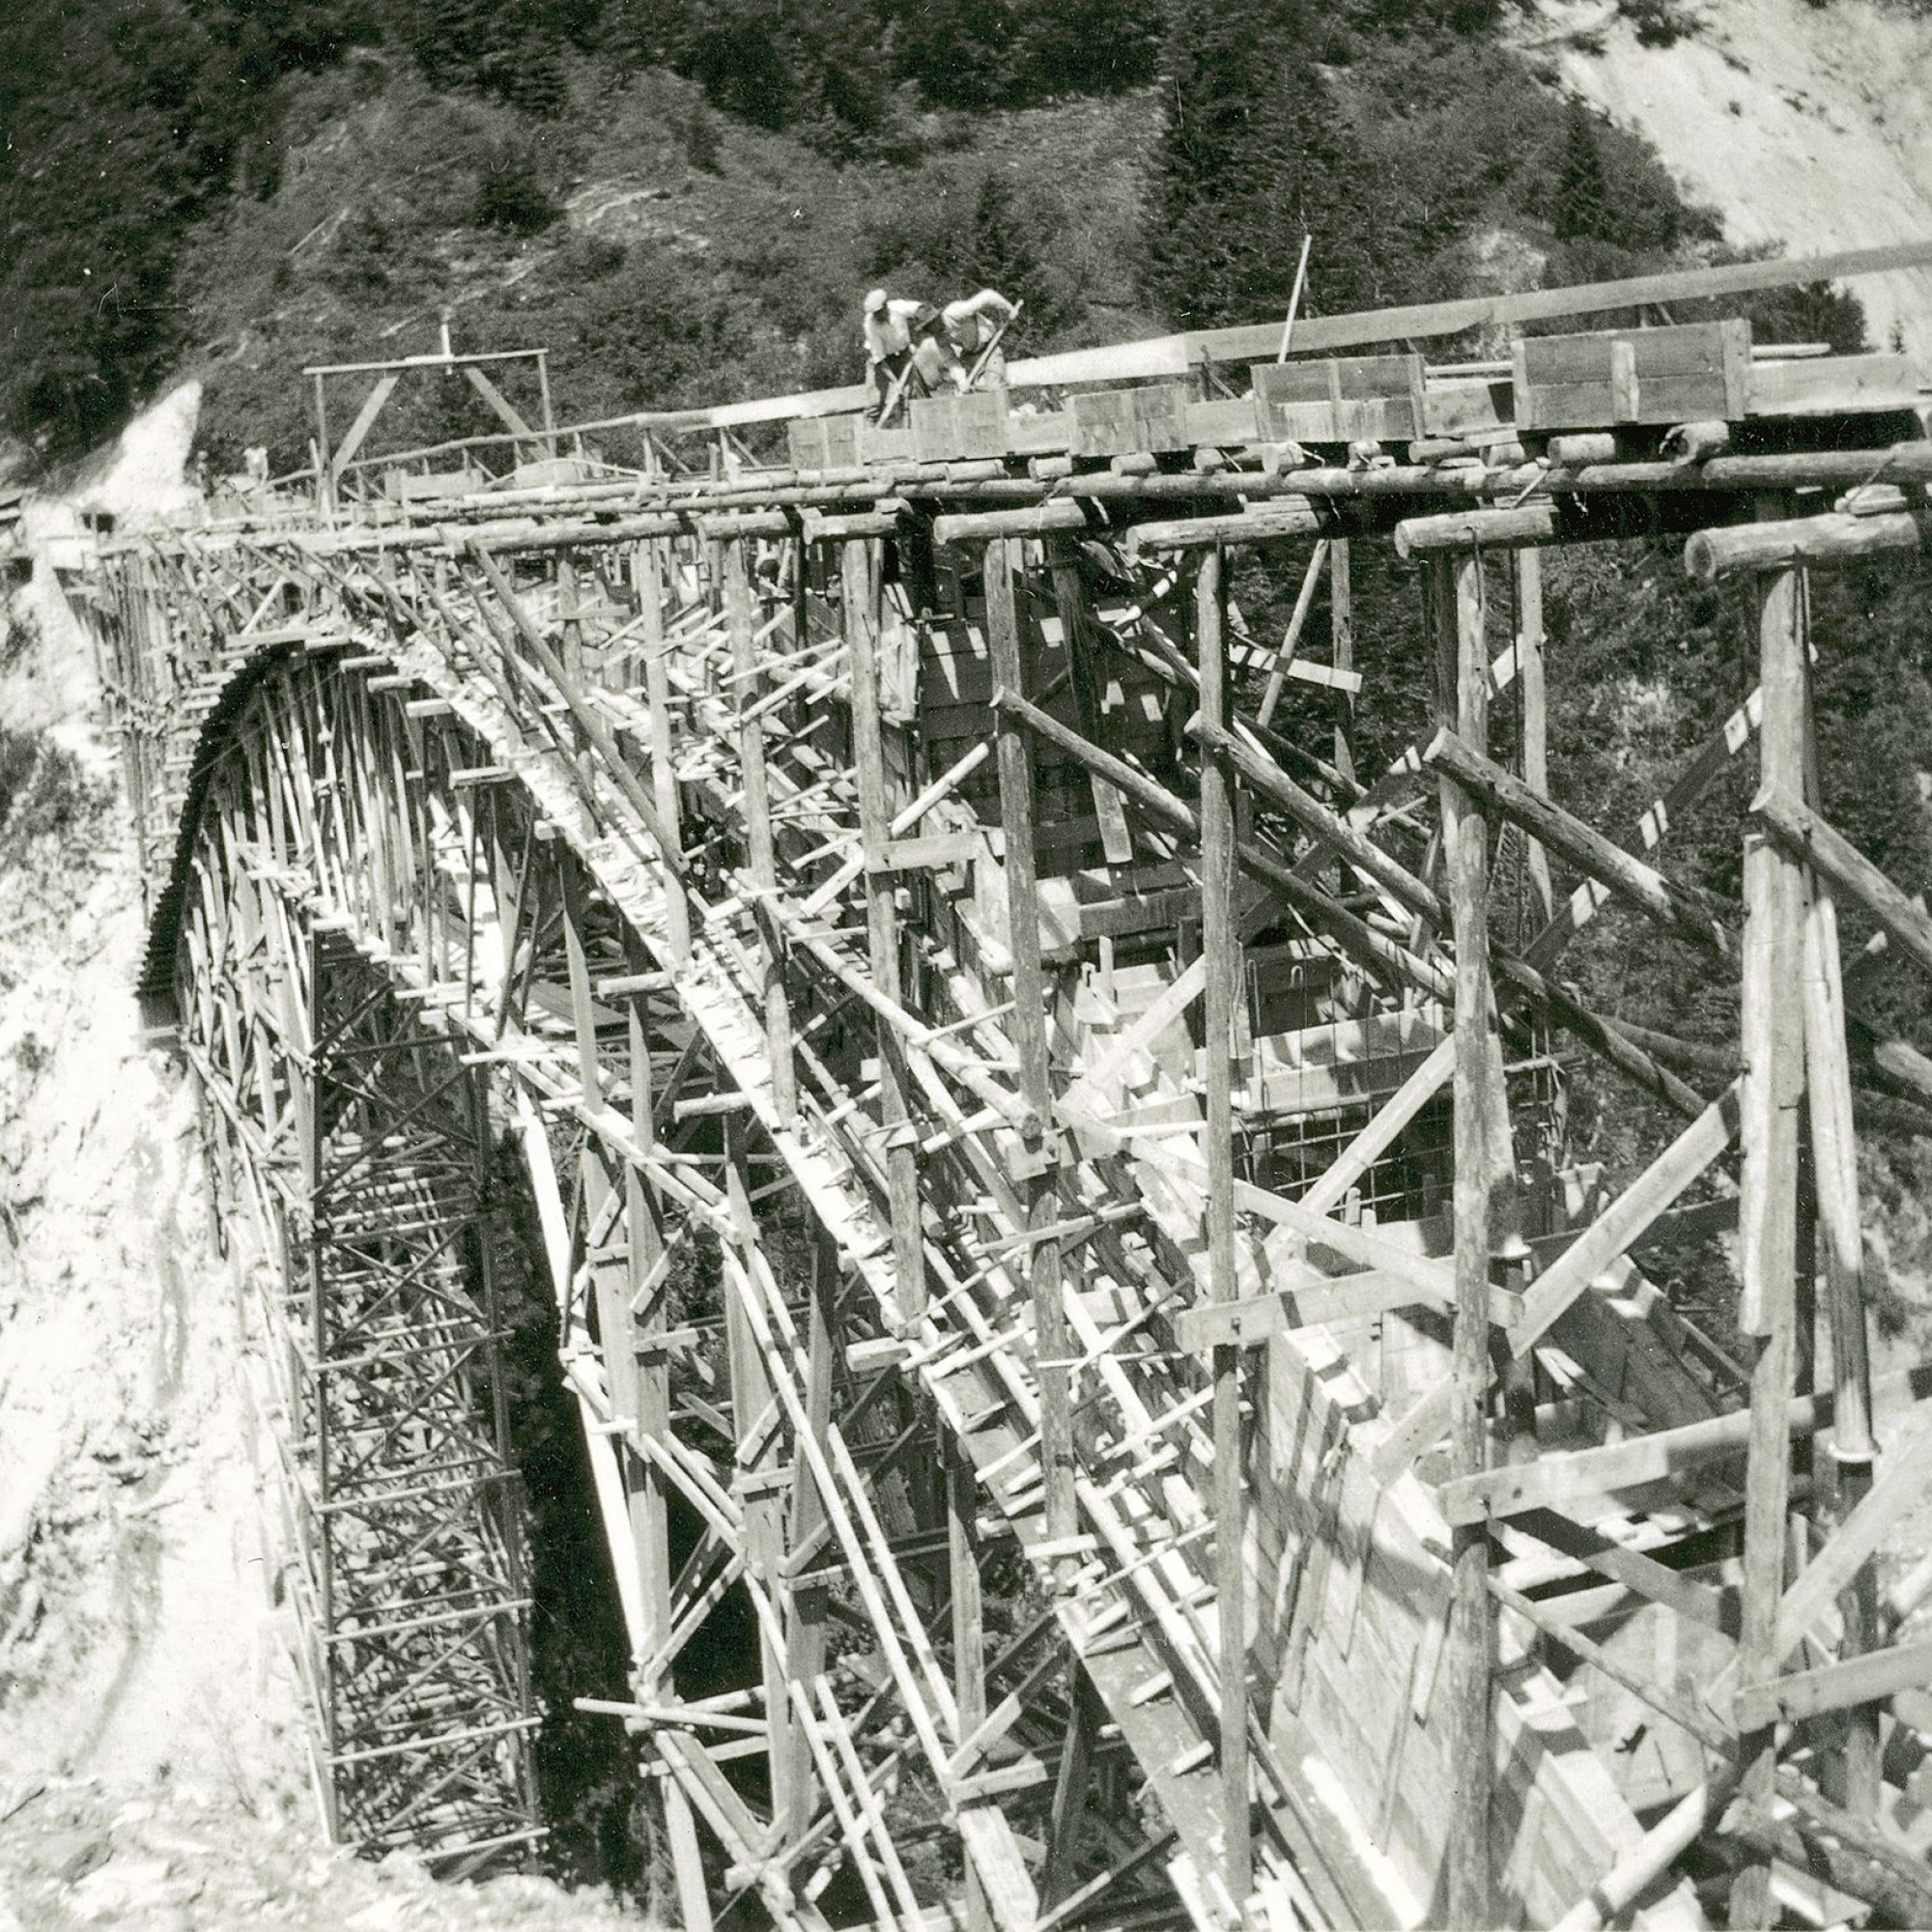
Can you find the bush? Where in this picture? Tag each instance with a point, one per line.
(511, 193)
(44, 788)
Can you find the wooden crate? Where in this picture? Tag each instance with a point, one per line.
(1126, 423)
(823, 442)
(947, 428)
(1342, 399)
(1697, 371)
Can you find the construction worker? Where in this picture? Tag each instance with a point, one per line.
(887, 331)
(972, 327)
(934, 360)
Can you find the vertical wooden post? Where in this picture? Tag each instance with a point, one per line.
(860, 584)
(1221, 950)
(1342, 653)
(1067, 1818)
(543, 394)
(325, 475)
(1840, 1243)
(657, 695)
(1773, 1091)
(1454, 591)
(969, 1634)
(1029, 1026)
(759, 1497)
(807, 1607)
(1529, 670)
(1070, 596)
(760, 853)
(643, 1333)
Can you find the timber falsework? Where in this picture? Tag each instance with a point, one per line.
(1052, 1177)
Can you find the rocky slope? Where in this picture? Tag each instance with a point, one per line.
(151, 1771)
(1805, 124)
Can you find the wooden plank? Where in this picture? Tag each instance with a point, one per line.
(499, 403)
(1342, 653)
(1679, 1711)
(1834, 1686)
(1903, 1479)
(1606, 1238)
(1264, 774)
(1383, 1130)
(995, 1854)
(1620, 1225)
(1527, 568)
(1691, 913)
(1635, 1571)
(1291, 637)
(383, 387)
(1070, 593)
(1654, 824)
(1118, 1052)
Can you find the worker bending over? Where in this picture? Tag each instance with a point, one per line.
(971, 329)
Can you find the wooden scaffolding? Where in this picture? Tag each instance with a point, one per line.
(1056, 1189)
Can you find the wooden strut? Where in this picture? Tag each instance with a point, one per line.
(1455, 609)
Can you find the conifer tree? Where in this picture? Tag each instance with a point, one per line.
(1583, 189)
(1254, 153)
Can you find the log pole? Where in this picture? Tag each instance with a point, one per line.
(1221, 951)
(1453, 587)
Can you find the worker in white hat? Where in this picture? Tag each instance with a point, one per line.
(886, 333)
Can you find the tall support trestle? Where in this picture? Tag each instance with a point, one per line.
(1773, 1102)
(1456, 610)
(1221, 955)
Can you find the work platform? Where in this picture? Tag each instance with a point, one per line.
(1054, 1172)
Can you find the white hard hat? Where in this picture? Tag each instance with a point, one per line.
(875, 300)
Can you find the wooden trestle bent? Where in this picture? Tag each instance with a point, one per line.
(1052, 1187)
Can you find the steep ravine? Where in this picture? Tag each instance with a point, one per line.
(151, 1768)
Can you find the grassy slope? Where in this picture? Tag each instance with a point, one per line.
(662, 281)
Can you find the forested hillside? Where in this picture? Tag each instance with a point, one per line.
(684, 198)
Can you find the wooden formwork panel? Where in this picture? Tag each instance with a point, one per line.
(1342, 399)
(1126, 422)
(1358, 1644)
(1694, 372)
(948, 428)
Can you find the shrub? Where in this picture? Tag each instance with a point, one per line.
(511, 193)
